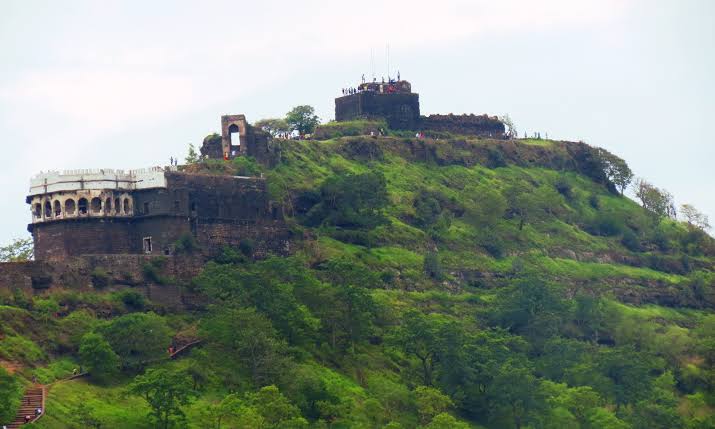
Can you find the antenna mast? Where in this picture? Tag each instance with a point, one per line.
(388, 61)
(372, 62)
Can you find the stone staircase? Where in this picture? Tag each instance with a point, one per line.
(34, 398)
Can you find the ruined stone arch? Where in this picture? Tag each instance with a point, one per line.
(69, 207)
(231, 124)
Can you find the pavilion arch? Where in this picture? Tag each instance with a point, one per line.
(117, 206)
(48, 209)
(69, 207)
(108, 206)
(127, 206)
(57, 206)
(82, 206)
(96, 205)
(37, 210)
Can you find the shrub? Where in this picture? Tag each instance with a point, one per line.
(563, 187)
(432, 266)
(186, 244)
(100, 278)
(631, 241)
(606, 225)
(495, 159)
(246, 246)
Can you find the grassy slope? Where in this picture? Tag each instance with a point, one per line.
(400, 247)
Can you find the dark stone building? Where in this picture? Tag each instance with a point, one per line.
(393, 101)
(148, 212)
(400, 107)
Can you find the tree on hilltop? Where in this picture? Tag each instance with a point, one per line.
(656, 201)
(274, 126)
(20, 249)
(302, 119)
(694, 217)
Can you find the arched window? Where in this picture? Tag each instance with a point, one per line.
(38, 210)
(48, 209)
(69, 207)
(117, 206)
(127, 206)
(108, 206)
(58, 208)
(96, 205)
(82, 206)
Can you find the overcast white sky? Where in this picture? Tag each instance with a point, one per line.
(126, 84)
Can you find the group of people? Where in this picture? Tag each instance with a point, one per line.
(28, 418)
(351, 91)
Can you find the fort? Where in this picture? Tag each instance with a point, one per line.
(395, 102)
(121, 220)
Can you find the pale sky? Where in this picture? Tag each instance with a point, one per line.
(127, 84)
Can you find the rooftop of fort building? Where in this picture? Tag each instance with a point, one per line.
(390, 86)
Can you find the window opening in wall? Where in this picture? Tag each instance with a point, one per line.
(96, 205)
(38, 210)
(146, 208)
(48, 209)
(146, 243)
(69, 207)
(82, 206)
(108, 206)
(234, 136)
(57, 207)
(127, 206)
(117, 206)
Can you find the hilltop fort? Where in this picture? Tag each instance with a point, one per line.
(116, 219)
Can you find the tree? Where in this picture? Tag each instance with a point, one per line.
(166, 392)
(302, 119)
(350, 201)
(418, 335)
(137, 338)
(515, 393)
(511, 132)
(616, 169)
(20, 249)
(431, 402)
(274, 126)
(46, 308)
(531, 307)
(192, 157)
(694, 217)
(97, 356)
(446, 421)
(657, 202)
(10, 394)
(276, 409)
(249, 338)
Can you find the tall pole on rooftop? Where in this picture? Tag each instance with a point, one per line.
(388, 61)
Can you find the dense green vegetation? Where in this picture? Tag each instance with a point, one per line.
(433, 289)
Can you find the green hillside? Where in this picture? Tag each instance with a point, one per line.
(445, 282)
